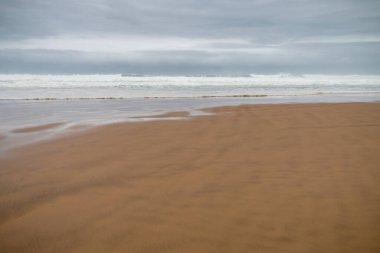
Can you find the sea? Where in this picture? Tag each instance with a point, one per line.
(88, 100)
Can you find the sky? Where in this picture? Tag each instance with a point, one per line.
(185, 37)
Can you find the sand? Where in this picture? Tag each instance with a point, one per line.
(264, 178)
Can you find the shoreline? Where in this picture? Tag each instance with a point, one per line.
(29, 134)
(288, 177)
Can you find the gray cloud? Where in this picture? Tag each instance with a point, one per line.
(190, 36)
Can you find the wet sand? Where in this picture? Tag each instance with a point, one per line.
(37, 128)
(178, 114)
(262, 178)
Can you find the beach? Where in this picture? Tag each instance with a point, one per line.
(249, 178)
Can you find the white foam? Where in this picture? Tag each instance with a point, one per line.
(134, 86)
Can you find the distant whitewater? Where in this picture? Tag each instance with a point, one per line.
(125, 86)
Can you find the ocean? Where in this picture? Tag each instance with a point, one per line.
(31, 100)
(45, 87)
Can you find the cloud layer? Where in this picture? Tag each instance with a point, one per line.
(190, 36)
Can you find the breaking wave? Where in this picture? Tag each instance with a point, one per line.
(50, 87)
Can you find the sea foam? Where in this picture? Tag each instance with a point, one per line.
(138, 86)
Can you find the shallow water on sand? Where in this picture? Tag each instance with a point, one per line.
(69, 115)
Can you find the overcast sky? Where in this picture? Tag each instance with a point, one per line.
(190, 36)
